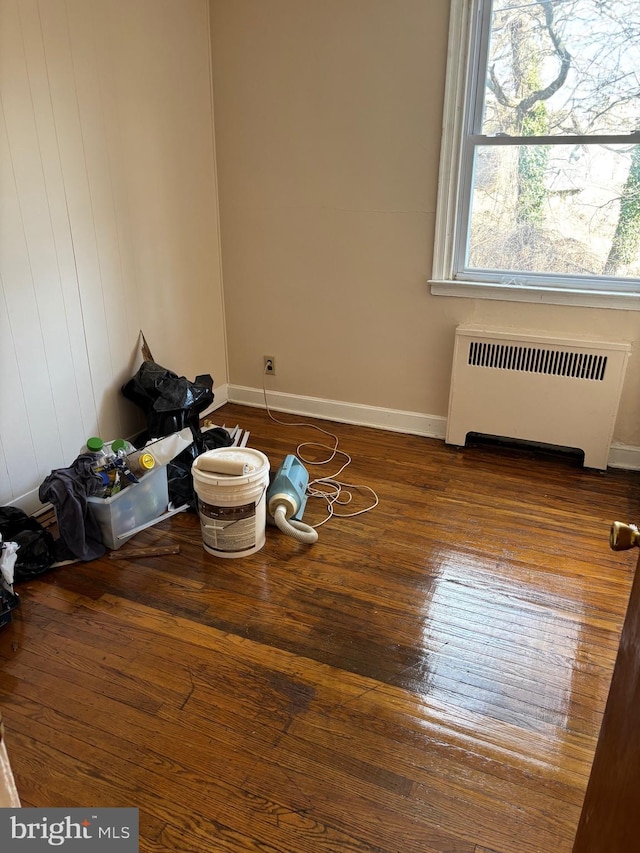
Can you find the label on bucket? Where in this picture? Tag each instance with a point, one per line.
(228, 528)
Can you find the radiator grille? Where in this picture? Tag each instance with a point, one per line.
(578, 365)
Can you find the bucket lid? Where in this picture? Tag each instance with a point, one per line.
(253, 464)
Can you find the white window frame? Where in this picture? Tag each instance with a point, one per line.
(465, 59)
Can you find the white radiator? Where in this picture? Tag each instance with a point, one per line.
(536, 388)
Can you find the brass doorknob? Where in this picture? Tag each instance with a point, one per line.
(623, 536)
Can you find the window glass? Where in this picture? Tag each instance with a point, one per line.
(563, 67)
(564, 209)
(548, 168)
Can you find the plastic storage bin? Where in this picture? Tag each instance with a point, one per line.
(134, 506)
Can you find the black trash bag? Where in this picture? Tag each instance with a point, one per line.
(179, 477)
(170, 402)
(37, 551)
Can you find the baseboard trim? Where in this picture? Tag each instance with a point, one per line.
(220, 397)
(30, 502)
(413, 423)
(624, 456)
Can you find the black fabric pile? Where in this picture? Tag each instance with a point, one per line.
(68, 489)
(37, 550)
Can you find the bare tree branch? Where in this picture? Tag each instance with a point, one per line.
(498, 91)
(565, 63)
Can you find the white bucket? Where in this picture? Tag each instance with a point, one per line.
(232, 507)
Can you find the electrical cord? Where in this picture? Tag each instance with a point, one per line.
(333, 491)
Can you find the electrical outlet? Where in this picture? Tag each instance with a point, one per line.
(269, 365)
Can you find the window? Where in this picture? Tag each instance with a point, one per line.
(539, 195)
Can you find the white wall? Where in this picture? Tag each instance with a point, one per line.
(328, 120)
(328, 136)
(108, 219)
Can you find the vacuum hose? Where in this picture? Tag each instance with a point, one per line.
(296, 529)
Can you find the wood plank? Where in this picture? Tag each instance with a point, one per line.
(436, 675)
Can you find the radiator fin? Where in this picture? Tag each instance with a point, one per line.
(553, 362)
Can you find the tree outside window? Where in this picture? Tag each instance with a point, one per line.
(550, 165)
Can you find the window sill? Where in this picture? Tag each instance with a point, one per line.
(543, 295)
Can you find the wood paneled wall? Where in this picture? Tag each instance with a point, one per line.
(108, 219)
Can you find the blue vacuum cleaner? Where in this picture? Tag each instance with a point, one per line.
(287, 498)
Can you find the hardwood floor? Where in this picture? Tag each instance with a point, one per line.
(428, 678)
